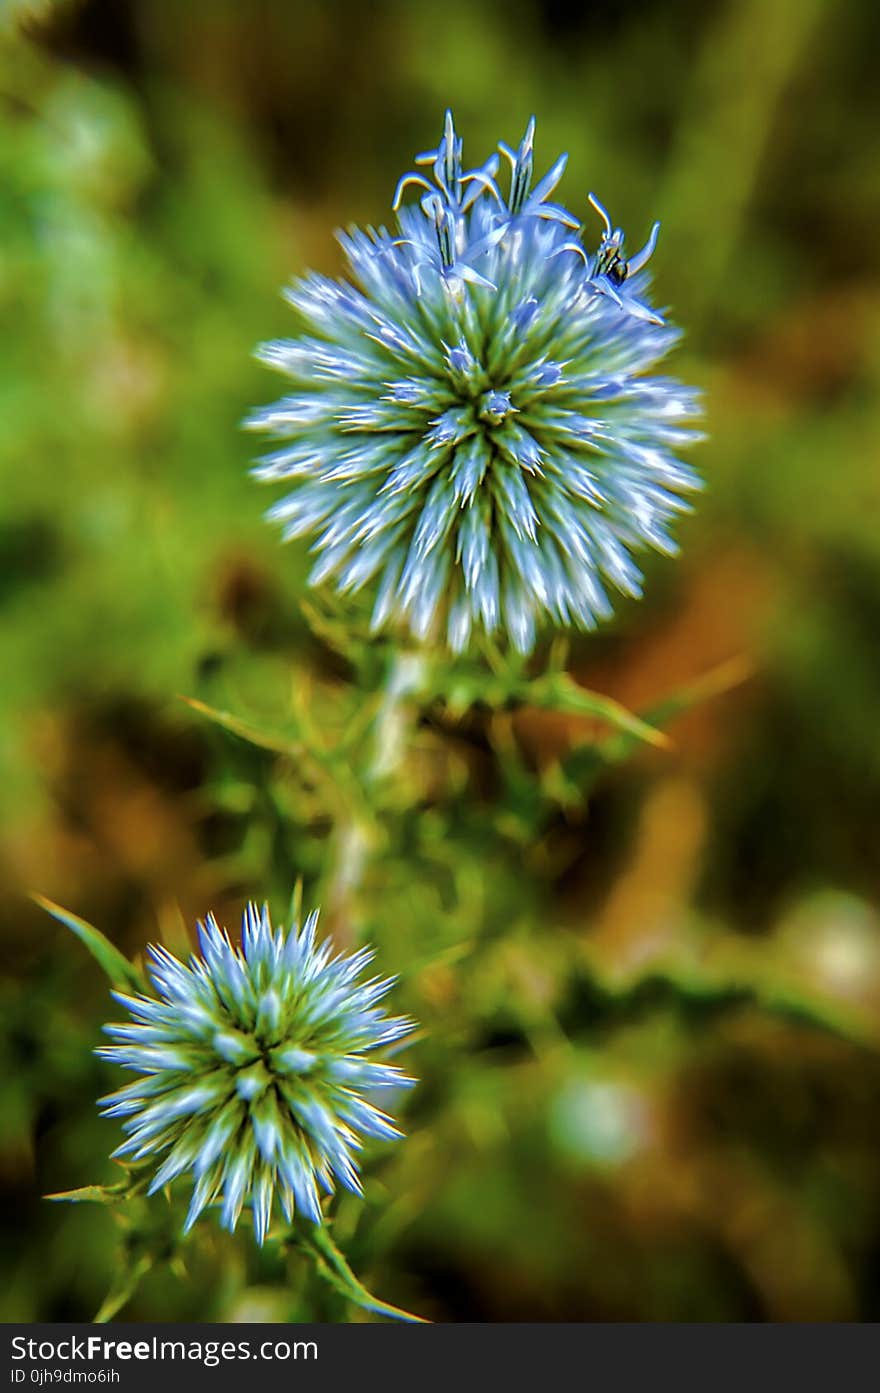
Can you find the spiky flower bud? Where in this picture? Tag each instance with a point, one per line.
(254, 1062)
(472, 430)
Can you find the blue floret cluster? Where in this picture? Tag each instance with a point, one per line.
(473, 433)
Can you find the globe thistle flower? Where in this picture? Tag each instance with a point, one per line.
(254, 1062)
(473, 430)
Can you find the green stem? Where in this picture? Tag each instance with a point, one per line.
(123, 1289)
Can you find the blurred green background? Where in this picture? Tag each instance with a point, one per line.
(650, 1070)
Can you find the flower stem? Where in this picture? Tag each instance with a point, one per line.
(386, 745)
(406, 673)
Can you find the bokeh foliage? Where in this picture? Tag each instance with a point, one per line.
(649, 986)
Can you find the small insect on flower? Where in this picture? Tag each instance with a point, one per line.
(254, 1063)
(609, 258)
(473, 431)
(610, 268)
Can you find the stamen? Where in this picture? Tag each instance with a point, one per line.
(572, 247)
(641, 258)
(593, 200)
(403, 183)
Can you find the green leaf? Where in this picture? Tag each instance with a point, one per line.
(327, 767)
(120, 971)
(718, 680)
(263, 739)
(559, 692)
(552, 691)
(578, 772)
(347, 638)
(723, 973)
(89, 1194)
(123, 1289)
(334, 1268)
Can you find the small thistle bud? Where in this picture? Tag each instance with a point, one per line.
(473, 429)
(254, 1062)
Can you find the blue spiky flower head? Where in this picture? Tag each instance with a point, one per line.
(254, 1061)
(473, 430)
